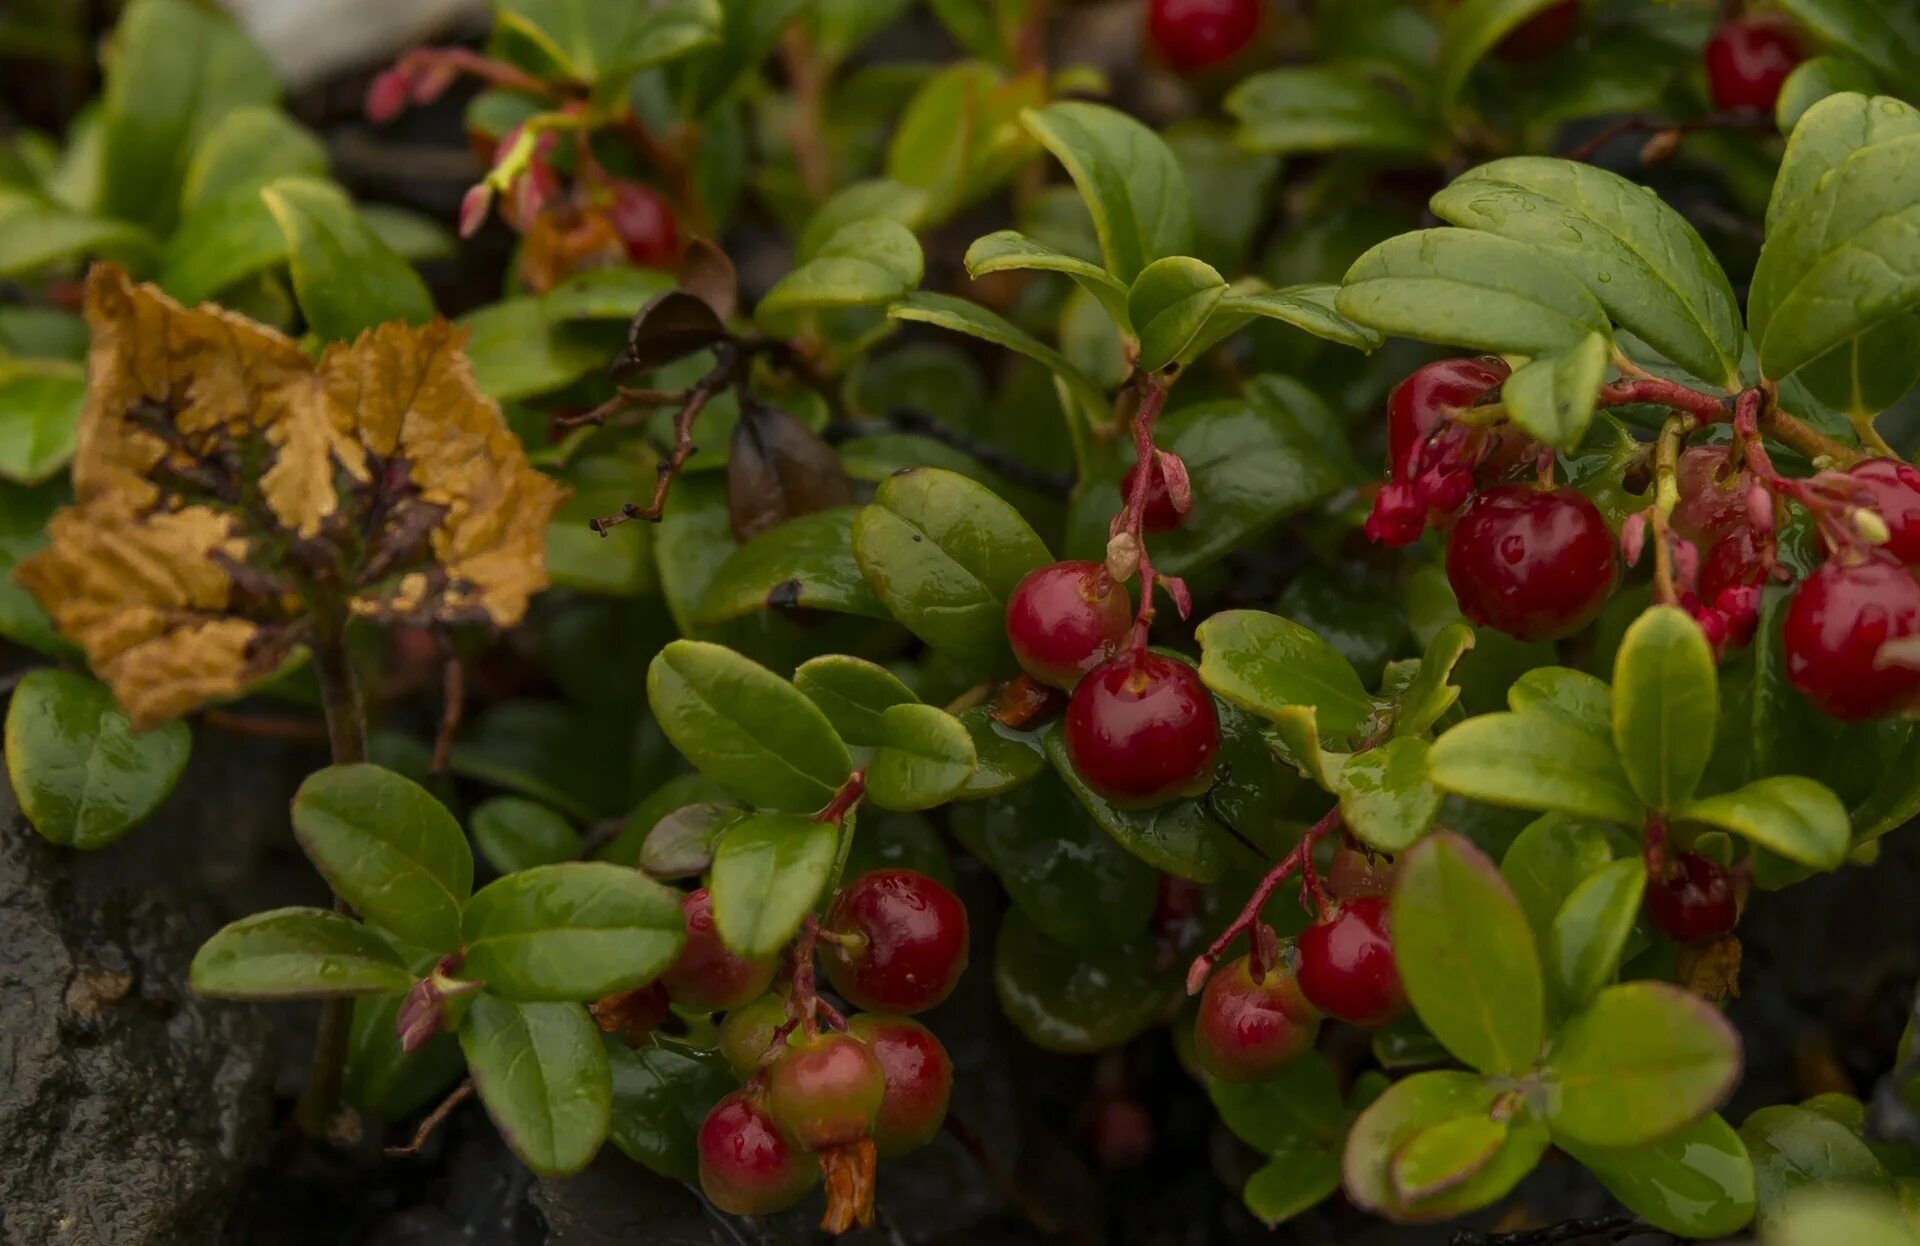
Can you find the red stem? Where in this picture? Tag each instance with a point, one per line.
(1300, 857)
(846, 798)
(1701, 406)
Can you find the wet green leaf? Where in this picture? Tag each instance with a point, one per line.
(1800, 819)
(1325, 108)
(1263, 663)
(1796, 1149)
(1179, 836)
(1697, 1182)
(1538, 761)
(1547, 860)
(1442, 1157)
(514, 833)
(854, 694)
(1169, 304)
(1590, 932)
(1666, 699)
(1643, 1061)
(805, 563)
(1552, 398)
(573, 931)
(82, 774)
(297, 953)
(864, 264)
(542, 1074)
(1410, 1108)
(1070, 1000)
(1084, 401)
(345, 278)
(768, 873)
(1128, 176)
(924, 758)
(662, 1091)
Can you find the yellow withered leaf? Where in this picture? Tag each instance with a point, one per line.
(226, 483)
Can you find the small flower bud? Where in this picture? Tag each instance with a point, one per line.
(1633, 537)
(474, 206)
(1868, 523)
(1660, 148)
(387, 96)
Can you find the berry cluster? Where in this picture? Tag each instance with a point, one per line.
(1724, 543)
(825, 1094)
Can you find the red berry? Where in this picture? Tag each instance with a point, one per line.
(1159, 514)
(1065, 619)
(1249, 1031)
(747, 1033)
(1121, 1131)
(1346, 965)
(1417, 404)
(919, 1076)
(1534, 563)
(1543, 34)
(707, 976)
(1694, 900)
(1839, 618)
(1432, 462)
(1748, 59)
(1142, 729)
(1196, 34)
(644, 220)
(1713, 497)
(905, 941)
(1891, 489)
(826, 1090)
(748, 1166)
(1735, 560)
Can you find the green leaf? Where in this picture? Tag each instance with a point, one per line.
(1077, 1001)
(1580, 699)
(382, 1080)
(345, 278)
(1179, 836)
(1296, 1109)
(1644, 1060)
(1385, 797)
(1431, 693)
(854, 694)
(35, 233)
(1696, 1183)
(1326, 108)
(1290, 1183)
(1168, 305)
(1469, 31)
(1590, 932)
(1534, 761)
(387, 848)
(244, 150)
(1079, 395)
(1007, 758)
(519, 352)
(715, 706)
(1263, 663)
(959, 137)
(865, 264)
(605, 293)
(601, 42)
(1840, 256)
(768, 873)
(1552, 398)
(1129, 178)
(1796, 1149)
(875, 198)
(297, 953)
(1441, 1157)
(662, 1092)
(1818, 1218)
(1815, 78)
(1800, 819)
(1309, 306)
(1869, 373)
(82, 774)
(174, 71)
(1641, 259)
(1459, 287)
(924, 758)
(1421, 1103)
(806, 562)
(1547, 861)
(542, 1074)
(1008, 250)
(220, 244)
(944, 553)
(514, 834)
(1666, 698)
(1466, 955)
(573, 931)
(1883, 33)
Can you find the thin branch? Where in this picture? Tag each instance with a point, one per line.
(434, 1120)
(285, 727)
(923, 424)
(453, 691)
(1250, 915)
(727, 360)
(1664, 132)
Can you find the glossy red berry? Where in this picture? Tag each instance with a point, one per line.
(1347, 968)
(1431, 461)
(1065, 619)
(707, 976)
(1693, 901)
(1198, 34)
(919, 1076)
(1159, 513)
(644, 220)
(746, 1033)
(1142, 729)
(1419, 403)
(748, 1164)
(1541, 35)
(903, 941)
(1249, 1031)
(1839, 618)
(1713, 497)
(1891, 489)
(826, 1090)
(1748, 59)
(1534, 563)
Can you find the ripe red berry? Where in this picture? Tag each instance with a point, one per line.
(1534, 563)
(919, 1076)
(1693, 901)
(1736, 560)
(1748, 59)
(1159, 514)
(1543, 34)
(1419, 403)
(903, 941)
(1249, 1031)
(1065, 619)
(1431, 462)
(1346, 965)
(1197, 34)
(1142, 729)
(826, 1090)
(1891, 489)
(1839, 618)
(1713, 497)
(644, 220)
(747, 1032)
(748, 1165)
(707, 976)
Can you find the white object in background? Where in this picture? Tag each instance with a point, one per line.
(312, 39)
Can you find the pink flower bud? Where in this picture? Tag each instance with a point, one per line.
(387, 96)
(473, 209)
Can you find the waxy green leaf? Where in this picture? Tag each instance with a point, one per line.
(297, 953)
(1552, 398)
(1697, 1182)
(1132, 183)
(1795, 1148)
(854, 694)
(662, 1091)
(1325, 108)
(1169, 305)
(864, 264)
(1643, 1061)
(1083, 400)
(805, 563)
(541, 1072)
(1070, 1000)
(1008, 250)
(768, 873)
(345, 277)
(1798, 818)
(1263, 663)
(1590, 932)
(1666, 699)
(924, 758)
(1420, 1103)
(82, 774)
(574, 931)
(1538, 761)
(1547, 861)
(514, 833)
(1180, 836)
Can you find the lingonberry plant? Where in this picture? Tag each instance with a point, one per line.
(1343, 590)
